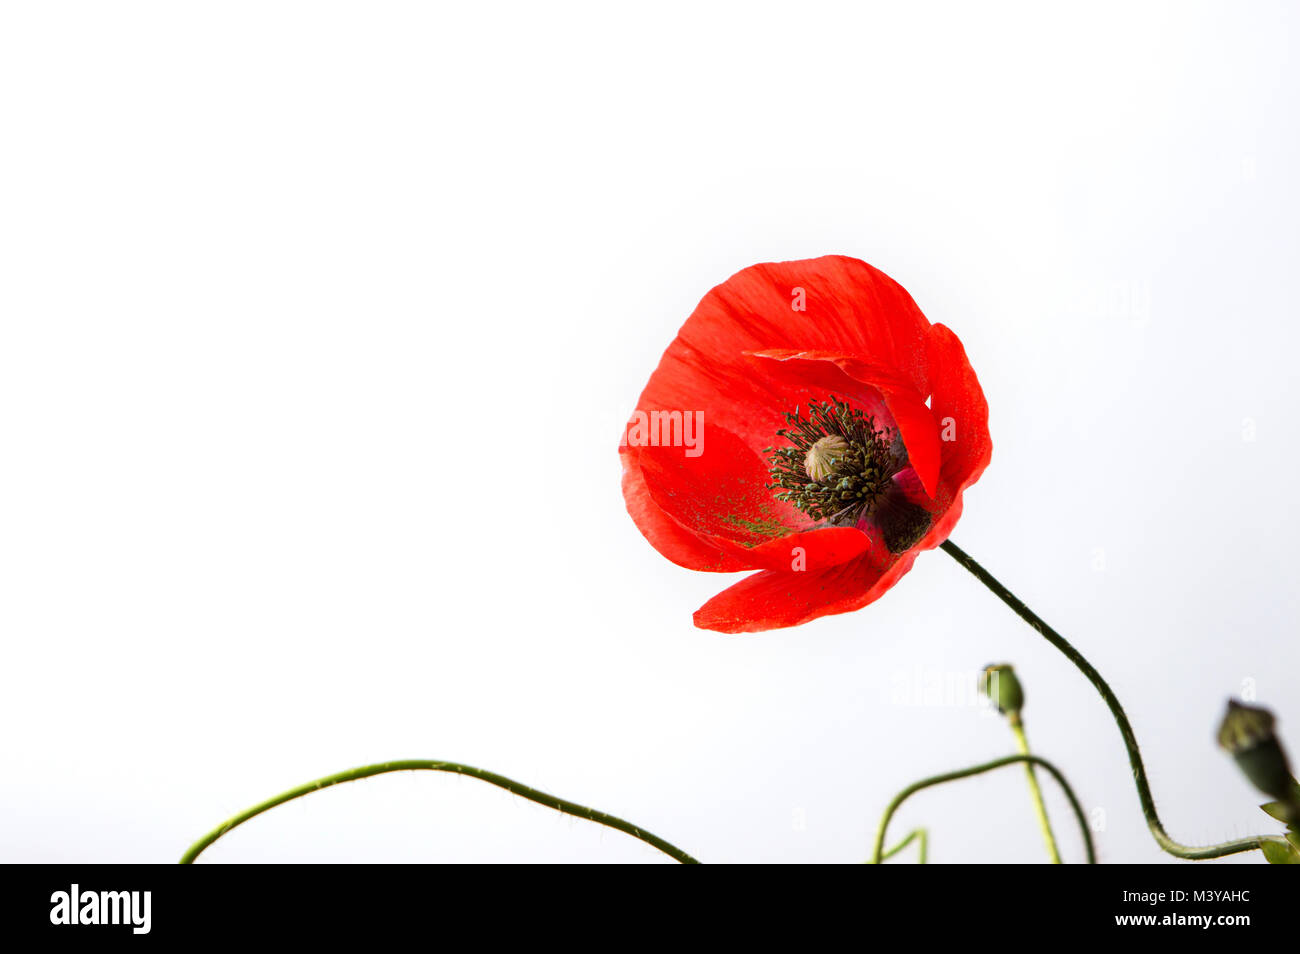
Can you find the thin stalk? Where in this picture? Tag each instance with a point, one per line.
(1036, 793)
(877, 855)
(916, 834)
(366, 771)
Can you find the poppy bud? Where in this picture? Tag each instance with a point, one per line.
(1000, 684)
(1247, 734)
(820, 461)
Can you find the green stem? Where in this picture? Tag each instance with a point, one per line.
(1036, 793)
(877, 856)
(532, 794)
(1125, 729)
(914, 835)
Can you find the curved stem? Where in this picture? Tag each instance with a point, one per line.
(914, 835)
(877, 855)
(1121, 719)
(532, 794)
(1036, 793)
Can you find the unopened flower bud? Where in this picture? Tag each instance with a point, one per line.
(1247, 734)
(1000, 684)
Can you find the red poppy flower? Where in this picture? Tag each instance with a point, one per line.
(807, 422)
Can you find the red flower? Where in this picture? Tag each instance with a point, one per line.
(807, 422)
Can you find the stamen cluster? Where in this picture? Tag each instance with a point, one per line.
(839, 463)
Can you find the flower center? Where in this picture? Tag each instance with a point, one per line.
(838, 465)
(839, 468)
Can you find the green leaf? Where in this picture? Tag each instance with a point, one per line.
(1294, 838)
(1275, 810)
(1279, 853)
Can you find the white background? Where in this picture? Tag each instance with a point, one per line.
(319, 323)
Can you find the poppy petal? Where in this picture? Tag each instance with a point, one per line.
(963, 414)
(720, 492)
(834, 304)
(721, 496)
(960, 409)
(773, 599)
(668, 536)
(811, 549)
